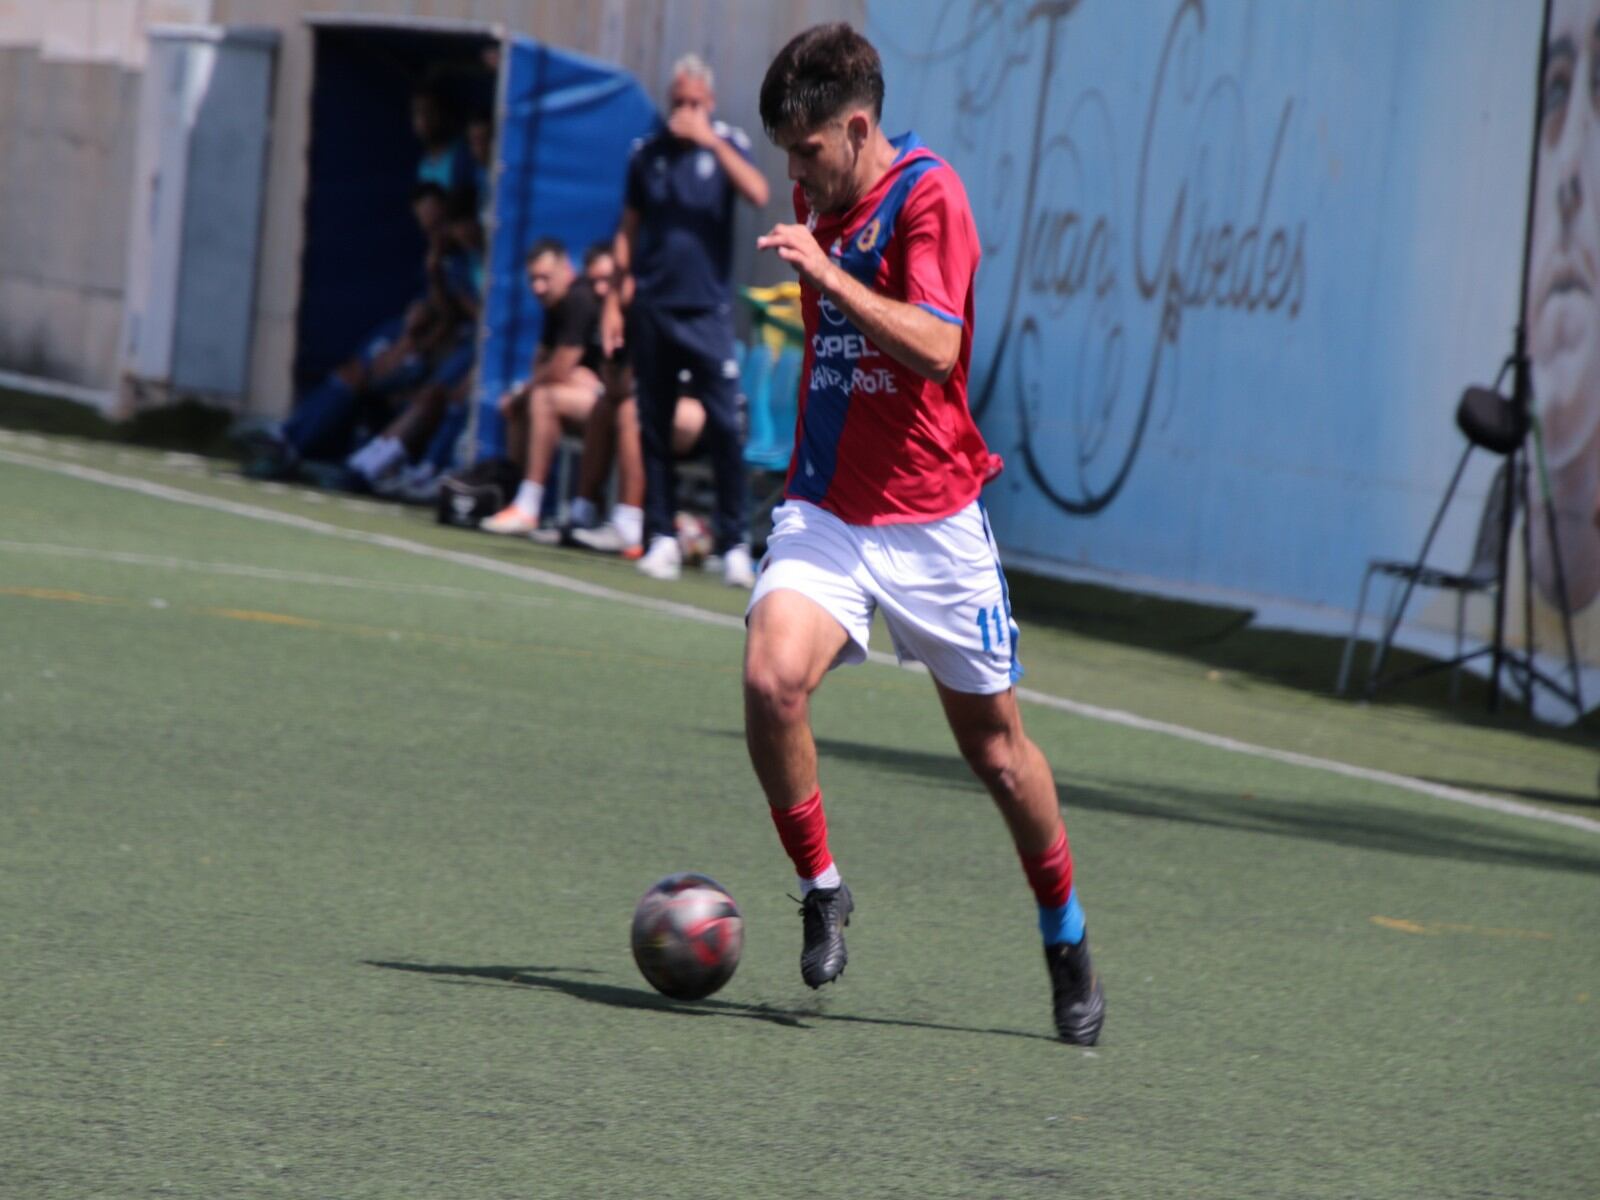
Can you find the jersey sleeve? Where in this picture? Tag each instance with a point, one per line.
(735, 137)
(579, 315)
(941, 246)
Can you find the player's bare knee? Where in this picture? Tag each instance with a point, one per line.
(996, 759)
(773, 691)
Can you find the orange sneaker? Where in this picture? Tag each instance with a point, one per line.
(510, 520)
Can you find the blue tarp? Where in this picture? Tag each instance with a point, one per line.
(565, 125)
(566, 129)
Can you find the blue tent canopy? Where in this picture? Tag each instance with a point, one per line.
(565, 125)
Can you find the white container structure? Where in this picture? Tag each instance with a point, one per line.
(199, 175)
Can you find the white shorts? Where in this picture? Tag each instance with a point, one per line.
(939, 584)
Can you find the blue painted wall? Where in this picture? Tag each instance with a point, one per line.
(1240, 259)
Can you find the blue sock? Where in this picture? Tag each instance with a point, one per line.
(1064, 924)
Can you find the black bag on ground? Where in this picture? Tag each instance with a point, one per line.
(469, 495)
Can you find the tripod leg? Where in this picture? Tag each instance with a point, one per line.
(1355, 632)
(1455, 671)
(1561, 573)
(1502, 560)
(1399, 609)
(1528, 646)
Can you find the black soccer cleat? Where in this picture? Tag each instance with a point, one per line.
(825, 912)
(1080, 1002)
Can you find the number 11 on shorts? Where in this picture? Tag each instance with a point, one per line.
(985, 615)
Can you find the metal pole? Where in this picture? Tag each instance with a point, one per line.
(1521, 367)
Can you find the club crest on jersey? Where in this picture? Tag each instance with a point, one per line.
(705, 164)
(829, 311)
(869, 236)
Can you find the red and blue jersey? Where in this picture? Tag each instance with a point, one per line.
(876, 443)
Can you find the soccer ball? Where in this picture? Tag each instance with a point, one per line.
(687, 936)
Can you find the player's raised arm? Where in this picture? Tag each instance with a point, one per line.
(729, 146)
(930, 345)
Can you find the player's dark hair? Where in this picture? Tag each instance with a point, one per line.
(545, 245)
(818, 73)
(595, 251)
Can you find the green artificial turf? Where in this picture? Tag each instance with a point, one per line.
(317, 859)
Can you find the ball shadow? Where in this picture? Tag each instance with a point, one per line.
(551, 978)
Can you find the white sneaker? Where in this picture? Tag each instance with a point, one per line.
(663, 560)
(389, 483)
(419, 485)
(737, 569)
(511, 520)
(377, 461)
(606, 539)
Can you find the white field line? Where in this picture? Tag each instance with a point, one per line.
(242, 570)
(549, 579)
(688, 612)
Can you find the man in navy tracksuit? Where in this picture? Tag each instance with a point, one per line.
(676, 241)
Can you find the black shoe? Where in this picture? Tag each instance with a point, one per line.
(825, 912)
(1080, 1002)
(334, 476)
(267, 459)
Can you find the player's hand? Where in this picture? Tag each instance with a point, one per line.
(692, 125)
(798, 247)
(611, 327)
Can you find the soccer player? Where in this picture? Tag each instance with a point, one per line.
(881, 507)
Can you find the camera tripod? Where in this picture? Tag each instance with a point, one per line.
(1507, 426)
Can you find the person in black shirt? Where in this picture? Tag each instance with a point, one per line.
(564, 386)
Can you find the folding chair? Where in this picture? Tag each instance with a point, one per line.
(1480, 578)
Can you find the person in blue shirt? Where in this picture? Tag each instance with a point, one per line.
(391, 361)
(445, 158)
(480, 145)
(676, 242)
(407, 457)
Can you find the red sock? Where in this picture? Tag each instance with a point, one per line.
(803, 830)
(1050, 873)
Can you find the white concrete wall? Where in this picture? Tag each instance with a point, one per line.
(60, 290)
(66, 165)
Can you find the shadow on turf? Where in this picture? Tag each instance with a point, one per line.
(1546, 795)
(1226, 638)
(617, 996)
(1348, 823)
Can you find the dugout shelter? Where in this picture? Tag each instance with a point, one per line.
(564, 125)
